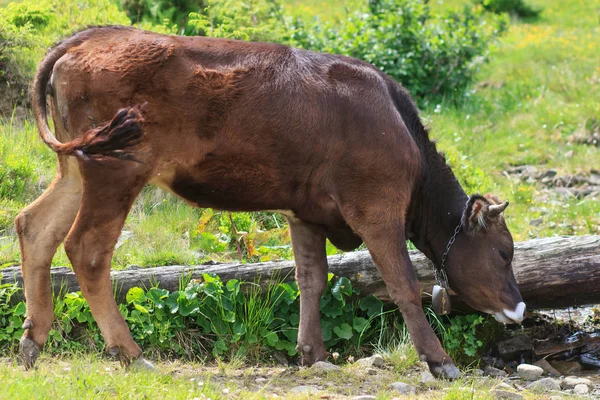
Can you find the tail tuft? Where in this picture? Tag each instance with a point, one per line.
(111, 139)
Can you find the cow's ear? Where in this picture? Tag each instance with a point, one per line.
(481, 211)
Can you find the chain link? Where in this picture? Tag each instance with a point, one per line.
(440, 273)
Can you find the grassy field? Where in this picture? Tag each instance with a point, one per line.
(538, 94)
(87, 377)
(539, 91)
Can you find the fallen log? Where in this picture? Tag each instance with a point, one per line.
(551, 272)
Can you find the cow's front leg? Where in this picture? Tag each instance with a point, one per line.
(308, 242)
(387, 244)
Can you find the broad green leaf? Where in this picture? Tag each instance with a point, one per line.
(343, 331)
(135, 295)
(271, 339)
(342, 288)
(372, 305)
(360, 324)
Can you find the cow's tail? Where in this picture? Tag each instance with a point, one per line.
(110, 139)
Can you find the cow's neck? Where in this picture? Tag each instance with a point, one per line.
(436, 207)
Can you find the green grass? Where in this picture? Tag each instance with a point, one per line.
(539, 89)
(92, 377)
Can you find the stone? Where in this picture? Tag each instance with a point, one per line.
(374, 361)
(495, 372)
(426, 377)
(571, 381)
(536, 221)
(404, 388)
(364, 397)
(505, 386)
(506, 395)
(305, 389)
(566, 367)
(549, 369)
(590, 360)
(581, 389)
(544, 385)
(323, 366)
(371, 371)
(529, 372)
(478, 372)
(514, 347)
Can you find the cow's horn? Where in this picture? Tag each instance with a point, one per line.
(495, 209)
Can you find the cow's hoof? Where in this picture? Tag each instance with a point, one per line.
(140, 364)
(30, 351)
(445, 371)
(311, 355)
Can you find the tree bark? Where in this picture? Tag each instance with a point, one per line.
(551, 273)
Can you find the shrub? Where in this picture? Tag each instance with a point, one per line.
(209, 317)
(29, 27)
(517, 8)
(431, 55)
(156, 12)
(254, 20)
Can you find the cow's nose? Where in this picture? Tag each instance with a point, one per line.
(511, 316)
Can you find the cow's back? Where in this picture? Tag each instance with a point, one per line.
(243, 126)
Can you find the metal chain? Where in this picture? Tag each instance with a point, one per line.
(440, 274)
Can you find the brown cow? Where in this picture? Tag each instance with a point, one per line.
(330, 141)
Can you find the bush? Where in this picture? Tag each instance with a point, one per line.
(517, 8)
(209, 317)
(30, 27)
(431, 55)
(254, 20)
(157, 12)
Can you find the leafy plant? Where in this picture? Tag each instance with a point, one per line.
(432, 55)
(461, 337)
(255, 20)
(208, 317)
(11, 315)
(517, 8)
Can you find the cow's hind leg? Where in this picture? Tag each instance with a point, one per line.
(41, 227)
(308, 242)
(109, 189)
(383, 231)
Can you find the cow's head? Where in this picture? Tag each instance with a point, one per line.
(479, 266)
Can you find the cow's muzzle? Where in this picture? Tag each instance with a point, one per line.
(511, 316)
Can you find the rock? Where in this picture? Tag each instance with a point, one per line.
(513, 348)
(373, 361)
(536, 222)
(506, 395)
(495, 372)
(505, 386)
(544, 385)
(323, 366)
(590, 360)
(371, 371)
(581, 389)
(529, 372)
(305, 389)
(571, 381)
(478, 372)
(545, 365)
(426, 377)
(260, 380)
(364, 397)
(404, 388)
(566, 367)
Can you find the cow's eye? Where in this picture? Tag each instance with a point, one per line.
(504, 255)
